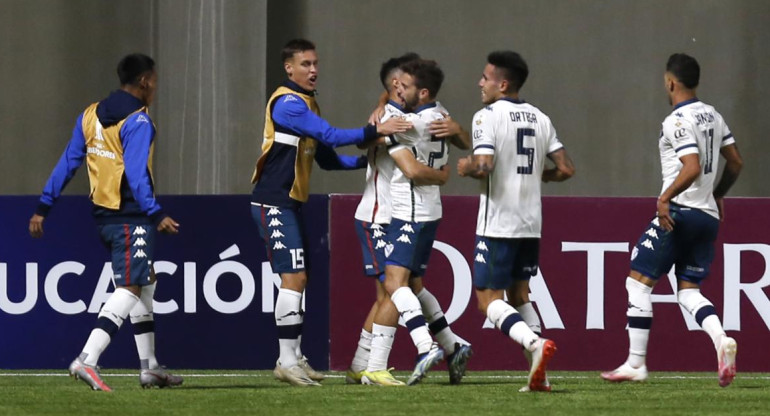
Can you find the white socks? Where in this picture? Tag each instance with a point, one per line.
(437, 323)
(704, 313)
(505, 317)
(382, 343)
(144, 328)
(409, 308)
(111, 317)
(288, 319)
(363, 351)
(639, 316)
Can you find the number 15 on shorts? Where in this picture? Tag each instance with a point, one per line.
(297, 258)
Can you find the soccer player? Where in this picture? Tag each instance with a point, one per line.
(294, 136)
(416, 212)
(683, 231)
(116, 139)
(371, 221)
(511, 140)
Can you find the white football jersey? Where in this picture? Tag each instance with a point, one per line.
(419, 203)
(520, 137)
(375, 202)
(694, 127)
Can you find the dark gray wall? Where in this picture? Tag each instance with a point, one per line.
(596, 69)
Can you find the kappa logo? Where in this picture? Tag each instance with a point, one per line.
(274, 211)
(407, 228)
(140, 254)
(142, 119)
(378, 233)
(480, 259)
(380, 244)
(140, 242)
(278, 246)
(404, 239)
(648, 244)
(388, 249)
(274, 223)
(289, 98)
(277, 234)
(656, 222)
(652, 233)
(140, 231)
(482, 246)
(375, 227)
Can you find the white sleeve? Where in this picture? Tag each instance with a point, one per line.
(483, 132)
(411, 136)
(727, 136)
(551, 138)
(680, 135)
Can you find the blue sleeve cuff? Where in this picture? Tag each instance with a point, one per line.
(157, 216)
(370, 132)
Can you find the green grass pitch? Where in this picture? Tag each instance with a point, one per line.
(224, 392)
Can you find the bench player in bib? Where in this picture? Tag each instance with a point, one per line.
(511, 140)
(294, 136)
(683, 232)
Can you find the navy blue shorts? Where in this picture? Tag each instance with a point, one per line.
(690, 246)
(410, 243)
(373, 241)
(131, 249)
(498, 262)
(282, 231)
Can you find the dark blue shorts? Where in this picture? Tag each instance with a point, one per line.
(690, 246)
(373, 239)
(498, 262)
(410, 243)
(281, 229)
(131, 249)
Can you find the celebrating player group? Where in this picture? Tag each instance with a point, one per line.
(514, 148)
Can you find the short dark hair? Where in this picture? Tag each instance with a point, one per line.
(133, 66)
(295, 46)
(426, 73)
(392, 64)
(685, 68)
(512, 66)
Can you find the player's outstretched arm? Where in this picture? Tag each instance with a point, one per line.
(417, 172)
(563, 170)
(476, 166)
(452, 130)
(328, 159)
(733, 166)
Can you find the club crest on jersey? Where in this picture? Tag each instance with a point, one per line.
(480, 258)
(404, 239)
(482, 246)
(407, 228)
(274, 223)
(648, 244)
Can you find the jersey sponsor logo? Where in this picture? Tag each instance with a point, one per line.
(274, 211)
(140, 242)
(652, 233)
(140, 254)
(274, 223)
(680, 133)
(380, 244)
(482, 246)
(648, 244)
(477, 133)
(101, 153)
(142, 119)
(140, 231)
(480, 258)
(407, 228)
(278, 246)
(277, 234)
